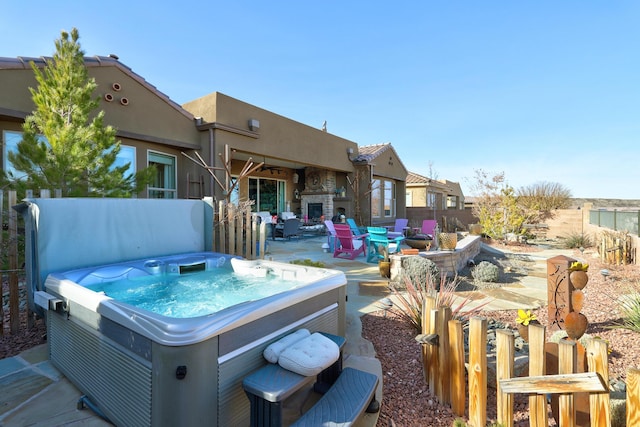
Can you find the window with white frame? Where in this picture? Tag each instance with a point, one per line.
(389, 199)
(431, 199)
(383, 198)
(164, 181)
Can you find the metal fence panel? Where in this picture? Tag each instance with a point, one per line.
(616, 220)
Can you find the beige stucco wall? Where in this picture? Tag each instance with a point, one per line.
(278, 136)
(147, 122)
(146, 113)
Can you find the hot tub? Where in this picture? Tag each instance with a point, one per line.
(141, 367)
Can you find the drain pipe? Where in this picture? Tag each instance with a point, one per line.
(84, 402)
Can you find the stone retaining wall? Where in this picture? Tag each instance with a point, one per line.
(448, 262)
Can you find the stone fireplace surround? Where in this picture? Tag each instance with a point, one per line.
(319, 187)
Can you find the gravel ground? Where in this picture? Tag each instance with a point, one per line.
(406, 398)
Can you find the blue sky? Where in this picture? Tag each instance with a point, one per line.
(542, 91)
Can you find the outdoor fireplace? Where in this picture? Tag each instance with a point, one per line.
(318, 194)
(314, 211)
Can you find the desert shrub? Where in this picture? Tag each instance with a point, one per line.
(630, 310)
(576, 240)
(485, 272)
(421, 271)
(409, 301)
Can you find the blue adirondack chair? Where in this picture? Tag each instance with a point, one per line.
(354, 227)
(378, 238)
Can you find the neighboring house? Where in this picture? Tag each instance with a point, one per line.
(433, 193)
(306, 170)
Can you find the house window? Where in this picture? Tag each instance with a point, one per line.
(127, 154)
(11, 140)
(268, 194)
(383, 198)
(235, 194)
(431, 200)
(389, 199)
(375, 199)
(164, 182)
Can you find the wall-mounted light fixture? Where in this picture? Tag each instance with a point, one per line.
(295, 178)
(254, 125)
(349, 151)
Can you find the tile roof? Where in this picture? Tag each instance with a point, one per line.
(367, 153)
(414, 178)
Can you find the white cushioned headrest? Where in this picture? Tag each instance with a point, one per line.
(273, 350)
(310, 355)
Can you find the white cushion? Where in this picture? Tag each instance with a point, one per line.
(310, 356)
(286, 215)
(265, 216)
(273, 350)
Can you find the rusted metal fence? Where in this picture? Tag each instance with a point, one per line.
(444, 371)
(12, 273)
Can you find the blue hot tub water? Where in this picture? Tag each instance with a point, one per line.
(192, 294)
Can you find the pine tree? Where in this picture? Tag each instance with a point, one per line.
(78, 151)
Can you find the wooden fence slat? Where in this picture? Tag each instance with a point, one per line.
(633, 397)
(428, 304)
(538, 415)
(231, 224)
(567, 363)
(221, 228)
(559, 383)
(1, 275)
(456, 352)
(433, 358)
(251, 230)
(599, 403)
(505, 354)
(14, 290)
(263, 239)
(478, 371)
(444, 369)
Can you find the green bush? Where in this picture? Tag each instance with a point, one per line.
(485, 272)
(421, 271)
(576, 240)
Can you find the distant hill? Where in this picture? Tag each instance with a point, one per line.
(607, 203)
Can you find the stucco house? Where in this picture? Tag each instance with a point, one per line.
(305, 170)
(433, 193)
